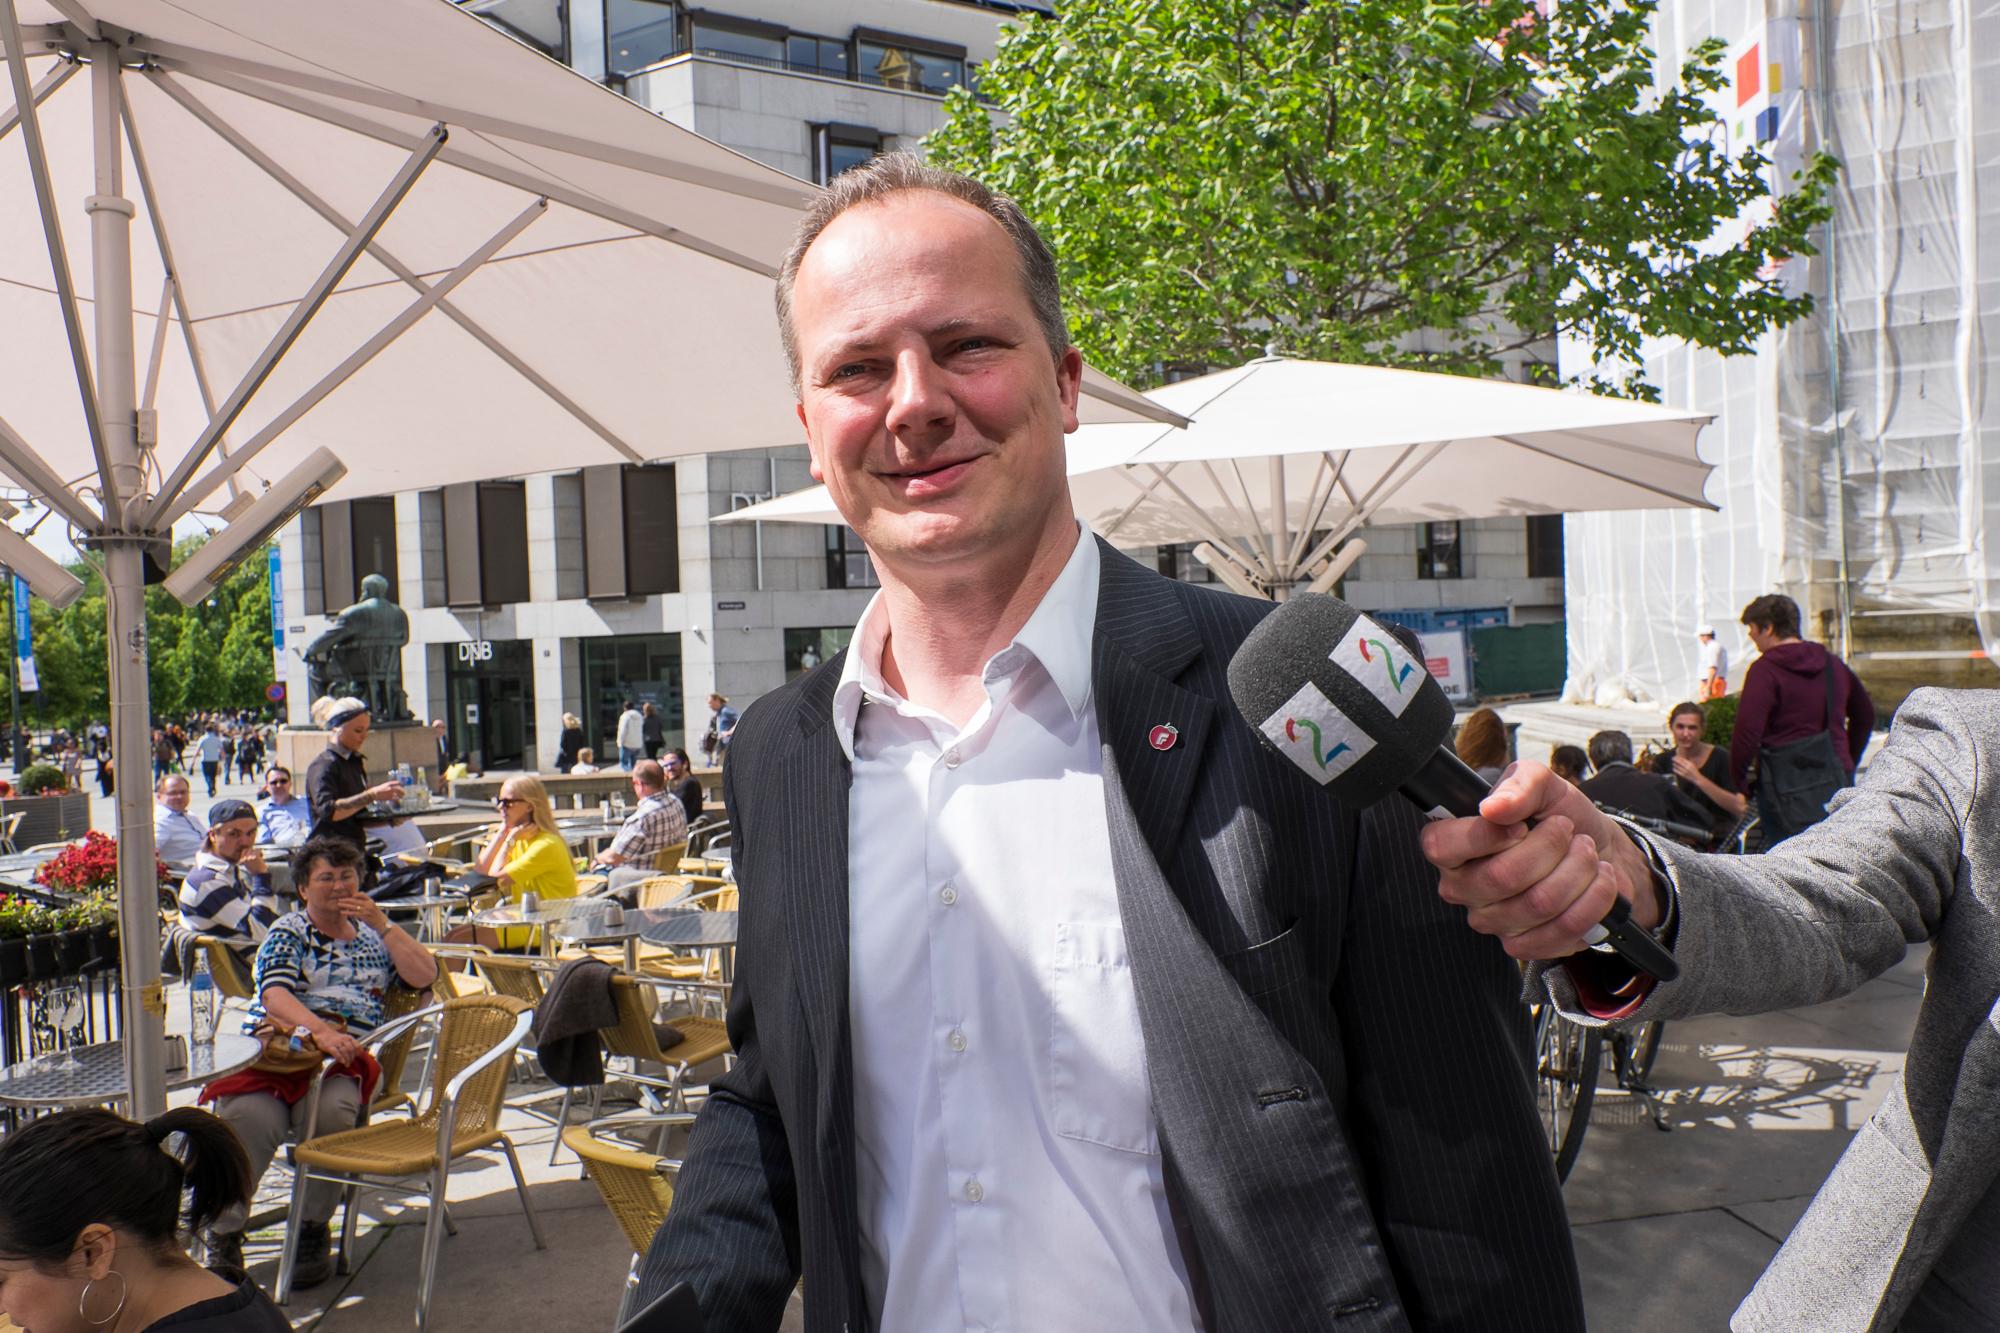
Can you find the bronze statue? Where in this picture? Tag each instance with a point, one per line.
(361, 654)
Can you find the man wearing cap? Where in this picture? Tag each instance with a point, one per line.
(1714, 665)
(177, 833)
(228, 894)
(337, 783)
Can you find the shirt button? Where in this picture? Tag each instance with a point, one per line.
(948, 895)
(951, 759)
(956, 1040)
(974, 1190)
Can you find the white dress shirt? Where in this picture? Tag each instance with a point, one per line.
(1008, 1170)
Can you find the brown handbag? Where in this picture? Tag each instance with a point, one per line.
(280, 1057)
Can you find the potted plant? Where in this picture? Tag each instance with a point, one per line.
(74, 951)
(41, 930)
(52, 810)
(101, 912)
(13, 941)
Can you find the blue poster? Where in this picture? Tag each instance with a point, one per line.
(277, 602)
(24, 638)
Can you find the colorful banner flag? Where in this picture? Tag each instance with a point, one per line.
(277, 602)
(24, 639)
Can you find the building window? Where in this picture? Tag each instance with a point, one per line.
(645, 668)
(538, 23)
(807, 648)
(1177, 562)
(1438, 551)
(485, 543)
(847, 562)
(354, 538)
(639, 33)
(1545, 546)
(631, 530)
(818, 55)
(758, 44)
(899, 62)
(836, 148)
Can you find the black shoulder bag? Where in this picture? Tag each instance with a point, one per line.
(1798, 778)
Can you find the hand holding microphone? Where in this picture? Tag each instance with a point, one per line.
(1534, 863)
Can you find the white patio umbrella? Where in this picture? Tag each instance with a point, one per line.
(1285, 460)
(347, 248)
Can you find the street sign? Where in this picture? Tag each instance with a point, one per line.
(476, 650)
(275, 692)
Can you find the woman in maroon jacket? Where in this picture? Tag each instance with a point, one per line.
(1794, 692)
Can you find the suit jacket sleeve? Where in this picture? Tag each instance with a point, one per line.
(1833, 906)
(1440, 1103)
(732, 1232)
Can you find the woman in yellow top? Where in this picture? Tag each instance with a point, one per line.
(528, 855)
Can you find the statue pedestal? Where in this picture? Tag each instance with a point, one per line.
(409, 743)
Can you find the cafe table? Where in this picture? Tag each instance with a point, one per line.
(93, 1075)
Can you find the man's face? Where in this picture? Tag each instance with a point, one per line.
(230, 841)
(933, 408)
(174, 794)
(279, 785)
(1687, 731)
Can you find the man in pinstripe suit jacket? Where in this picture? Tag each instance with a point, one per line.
(1335, 1070)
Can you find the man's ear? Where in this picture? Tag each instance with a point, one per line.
(818, 473)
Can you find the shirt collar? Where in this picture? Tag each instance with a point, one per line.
(340, 749)
(1058, 635)
(205, 859)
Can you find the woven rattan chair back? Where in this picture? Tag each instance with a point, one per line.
(516, 977)
(668, 859)
(660, 890)
(231, 978)
(468, 1029)
(631, 1183)
(633, 1036)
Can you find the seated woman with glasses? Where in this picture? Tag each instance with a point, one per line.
(527, 855)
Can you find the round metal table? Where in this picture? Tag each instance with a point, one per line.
(99, 1075)
(551, 912)
(693, 928)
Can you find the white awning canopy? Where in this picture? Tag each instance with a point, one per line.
(627, 317)
(1283, 460)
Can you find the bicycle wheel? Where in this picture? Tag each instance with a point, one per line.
(1645, 1049)
(1567, 1056)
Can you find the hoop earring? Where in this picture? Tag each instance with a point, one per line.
(83, 1299)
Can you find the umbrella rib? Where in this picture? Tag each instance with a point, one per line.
(1368, 503)
(76, 14)
(1260, 530)
(344, 258)
(269, 165)
(1316, 498)
(164, 244)
(38, 170)
(1145, 493)
(1202, 519)
(34, 474)
(1338, 482)
(360, 357)
(51, 81)
(1695, 503)
(1236, 516)
(193, 59)
(569, 195)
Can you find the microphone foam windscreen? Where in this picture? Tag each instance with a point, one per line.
(1339, 696)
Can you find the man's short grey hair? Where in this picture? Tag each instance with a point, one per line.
(896, 173)
(1610, 747)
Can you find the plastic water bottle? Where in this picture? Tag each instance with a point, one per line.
(204, 1006)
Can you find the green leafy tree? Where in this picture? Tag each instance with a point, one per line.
(1341, 176)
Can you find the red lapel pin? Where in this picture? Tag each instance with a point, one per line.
(1165, 736)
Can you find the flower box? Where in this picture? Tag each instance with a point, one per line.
(49, 818)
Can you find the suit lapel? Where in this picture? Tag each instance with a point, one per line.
(1144, 640)
(817, 779)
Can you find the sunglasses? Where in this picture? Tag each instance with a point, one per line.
(502, 802)
(281, 782)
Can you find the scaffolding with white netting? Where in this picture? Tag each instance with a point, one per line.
(1857, 452)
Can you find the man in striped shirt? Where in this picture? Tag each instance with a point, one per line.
(658, 823)
(228, 894)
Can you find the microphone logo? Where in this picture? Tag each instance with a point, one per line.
(1397, 675)
(1321, 755)
(1315, 735)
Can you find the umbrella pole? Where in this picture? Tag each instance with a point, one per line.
(142, 1006)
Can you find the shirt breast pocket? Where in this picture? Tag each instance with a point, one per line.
(1097, 1053)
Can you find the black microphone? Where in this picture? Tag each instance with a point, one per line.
(1345, 701)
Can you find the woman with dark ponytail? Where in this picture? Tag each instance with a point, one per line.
(90, 1215)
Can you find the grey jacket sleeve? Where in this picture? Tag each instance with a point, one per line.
(1833, 906)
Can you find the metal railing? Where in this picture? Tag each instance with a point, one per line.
(786, 66)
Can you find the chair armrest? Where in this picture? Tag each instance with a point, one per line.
(448, 1102)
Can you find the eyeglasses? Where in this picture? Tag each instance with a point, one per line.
(281, 782)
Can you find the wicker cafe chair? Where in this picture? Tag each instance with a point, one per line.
(232, 982)
(476, 1036)
(634, 1038)
(637, 1187)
